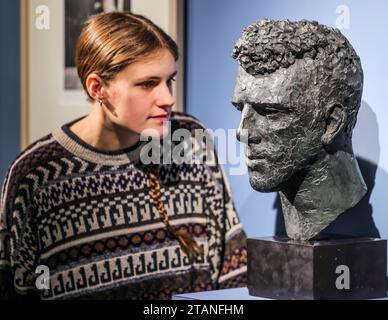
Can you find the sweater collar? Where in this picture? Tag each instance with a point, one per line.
(75, 145)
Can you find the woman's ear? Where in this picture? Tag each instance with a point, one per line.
(335, 119)
(94, 85)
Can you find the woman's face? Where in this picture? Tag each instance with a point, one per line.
(140, 96)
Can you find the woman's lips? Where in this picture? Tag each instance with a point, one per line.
(161, 117)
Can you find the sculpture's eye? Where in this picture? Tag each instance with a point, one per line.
(266, 110)
(271, 111)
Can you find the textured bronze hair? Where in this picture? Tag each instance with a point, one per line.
(109, 42)
(268, 45)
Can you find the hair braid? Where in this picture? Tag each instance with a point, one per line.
(186, 241)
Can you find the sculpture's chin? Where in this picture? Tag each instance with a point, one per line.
(262, 183)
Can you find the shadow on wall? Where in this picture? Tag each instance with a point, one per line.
(357, 221)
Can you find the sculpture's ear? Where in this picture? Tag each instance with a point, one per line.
(335, 119)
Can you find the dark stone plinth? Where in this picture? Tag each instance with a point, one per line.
(281, 268)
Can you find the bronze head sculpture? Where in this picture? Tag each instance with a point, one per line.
(299, 88)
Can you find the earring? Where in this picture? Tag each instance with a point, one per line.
(101, 102)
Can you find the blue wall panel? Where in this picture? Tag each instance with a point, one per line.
(9, 84)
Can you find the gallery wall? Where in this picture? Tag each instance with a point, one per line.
(212, 29)
(9, 84)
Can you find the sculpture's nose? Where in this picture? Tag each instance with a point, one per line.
(242, 130)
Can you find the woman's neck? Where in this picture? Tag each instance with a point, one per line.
(99, 131)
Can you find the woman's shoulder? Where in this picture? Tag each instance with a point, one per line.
(37, 154)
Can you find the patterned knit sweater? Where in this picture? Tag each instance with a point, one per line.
(87, 215)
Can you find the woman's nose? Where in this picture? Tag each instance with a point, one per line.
(165, 97)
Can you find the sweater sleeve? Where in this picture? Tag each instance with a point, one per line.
(18, 243)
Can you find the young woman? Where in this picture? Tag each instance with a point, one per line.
(82, 204)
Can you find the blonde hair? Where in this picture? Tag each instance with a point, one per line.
(109, 42)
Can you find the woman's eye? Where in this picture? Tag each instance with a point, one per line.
(147, 84)
(170, 81)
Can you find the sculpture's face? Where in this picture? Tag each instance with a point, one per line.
(283, 124)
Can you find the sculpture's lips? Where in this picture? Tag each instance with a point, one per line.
(250, 160)
(255, 155)
(255, 163)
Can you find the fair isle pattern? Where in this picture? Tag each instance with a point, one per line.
(124, 269)
(87, 214)
(134, 242)
(135, 232)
